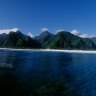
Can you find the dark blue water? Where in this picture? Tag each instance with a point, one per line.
(35, 73)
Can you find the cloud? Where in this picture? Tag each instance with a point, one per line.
(59, 30)
(86, 36)
(30, 35)
(7, 31)
(44, 29)
(75, 32)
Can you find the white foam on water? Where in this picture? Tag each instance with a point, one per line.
(52, 50)
(70, 51)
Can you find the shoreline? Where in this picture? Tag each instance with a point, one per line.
(52, 50)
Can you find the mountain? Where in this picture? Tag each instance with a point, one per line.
(62, 40)
(65, 40)
(45, 38)
(2, 36)
(18, 40)
(94, 40)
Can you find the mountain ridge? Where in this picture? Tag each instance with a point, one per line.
(18, 40)
(46, 40)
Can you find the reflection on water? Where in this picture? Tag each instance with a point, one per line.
(31, 73)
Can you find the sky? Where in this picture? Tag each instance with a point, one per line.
(33, 15)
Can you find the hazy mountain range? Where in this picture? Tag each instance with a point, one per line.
(47, 40)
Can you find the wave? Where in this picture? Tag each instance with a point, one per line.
(52, 50)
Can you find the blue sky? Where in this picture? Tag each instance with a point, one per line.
(32, 15)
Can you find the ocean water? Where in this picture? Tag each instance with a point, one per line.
(40, 73)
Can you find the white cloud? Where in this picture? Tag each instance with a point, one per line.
(7, 31)
(75, 32)
(30, 35)
(59, 30)
(92, 36)
(44, 29)
(85, 36)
